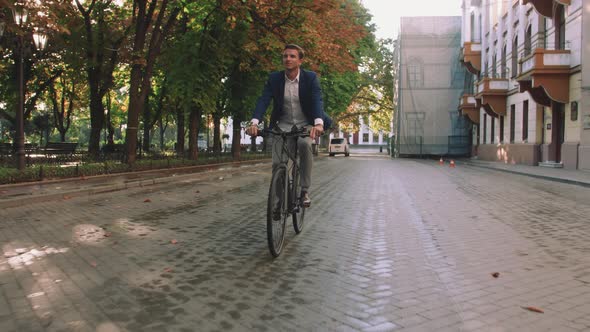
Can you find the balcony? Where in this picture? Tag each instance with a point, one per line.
(545, 75)
(492, 93)
(546, 7)
(469, 107)
(471, 57)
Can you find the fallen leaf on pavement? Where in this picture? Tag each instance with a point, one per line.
(173, 241)
(534, 309)
(197, 191)
(147, 200)
(496, 274)
(67, 197)
(30, 296)
(93, 264)
(107, 234)
(167, 269)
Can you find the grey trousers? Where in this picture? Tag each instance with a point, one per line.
(305, 157)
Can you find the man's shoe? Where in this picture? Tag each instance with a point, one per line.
(305, 200)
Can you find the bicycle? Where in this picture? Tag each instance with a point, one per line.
(284, 194)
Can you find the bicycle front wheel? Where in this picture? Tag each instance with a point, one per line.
(277, 213)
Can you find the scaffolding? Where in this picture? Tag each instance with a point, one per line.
(430, 83)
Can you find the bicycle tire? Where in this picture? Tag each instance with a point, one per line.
(275, 229)
(298, 211)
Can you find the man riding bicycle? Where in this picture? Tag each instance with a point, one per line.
(297, 101)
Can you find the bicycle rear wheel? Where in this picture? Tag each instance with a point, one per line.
(277, 213)
(298, 211)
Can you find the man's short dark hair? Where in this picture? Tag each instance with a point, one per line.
(295, 47)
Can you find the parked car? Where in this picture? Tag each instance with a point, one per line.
(338, 145)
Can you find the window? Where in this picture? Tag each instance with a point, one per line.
(515, 58)
(375, 137)
(501, 129)
(525, 120)
(543, 32)
(494, 70)
(337, 141)
(365, 138)
(485, 128)
(512, 120)
(527, 41)
(479, 29)
(503, 63)
(473, 27)
(559, 27)
(415, 74)
(415, 127)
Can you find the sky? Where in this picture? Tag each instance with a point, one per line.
(386, 13)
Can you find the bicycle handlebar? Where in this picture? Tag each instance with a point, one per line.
(299, 132)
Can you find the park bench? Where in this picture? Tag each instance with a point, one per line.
(60, 148)
(113, 151)
(5, 149)
(31, 149)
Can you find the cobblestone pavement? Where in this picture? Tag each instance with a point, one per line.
(388, 245)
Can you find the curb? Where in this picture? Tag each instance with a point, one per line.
(538, 176)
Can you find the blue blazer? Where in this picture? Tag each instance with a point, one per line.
(310, 98)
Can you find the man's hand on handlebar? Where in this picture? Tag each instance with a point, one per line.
(252, 130)
(316, 131)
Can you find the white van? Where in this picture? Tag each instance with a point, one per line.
(338, 145)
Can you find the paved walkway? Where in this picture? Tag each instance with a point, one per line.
(26, 193)
(388, 245)
(35, 192)
(576, 177)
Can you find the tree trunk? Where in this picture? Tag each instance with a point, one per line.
(96, 122)
(162, 132)
(237, 134)
(180, 130)
(147, 120)
(217, 134)
(193, 135)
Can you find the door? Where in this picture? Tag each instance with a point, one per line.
(557, 129)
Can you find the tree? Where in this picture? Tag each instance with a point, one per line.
(373, 96)
(62, 95)
(103, 30)
(152, 21)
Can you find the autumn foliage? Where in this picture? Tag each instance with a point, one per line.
(326, 29)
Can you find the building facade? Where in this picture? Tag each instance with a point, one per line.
(529, 98)
(364, 135)
(430, 83)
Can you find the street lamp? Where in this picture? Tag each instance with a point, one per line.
(20, 15)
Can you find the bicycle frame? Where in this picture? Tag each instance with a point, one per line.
(288, 174)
